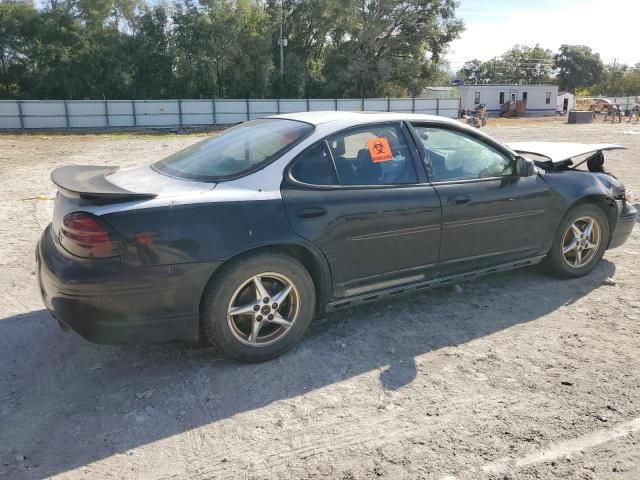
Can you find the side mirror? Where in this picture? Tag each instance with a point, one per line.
(525, 167)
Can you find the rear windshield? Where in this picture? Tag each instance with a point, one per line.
(235, 151)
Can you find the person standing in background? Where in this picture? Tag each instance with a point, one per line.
(635, 110)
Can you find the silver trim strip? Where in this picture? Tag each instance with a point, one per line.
(496, 218)
(382, 285)
(396, 233)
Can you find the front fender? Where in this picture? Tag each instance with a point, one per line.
(574, 187)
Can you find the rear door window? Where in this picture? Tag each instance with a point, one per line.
(372, 155)
(314, 166)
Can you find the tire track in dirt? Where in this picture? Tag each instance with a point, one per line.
(565, 448)
(390, 428)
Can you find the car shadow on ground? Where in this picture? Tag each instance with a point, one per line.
(65, 403)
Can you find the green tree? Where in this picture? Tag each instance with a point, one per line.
(76, 49)
(223, 49)
(391, 47)
(310, 28)
(577, 67)
(631, 81)
(72, 60)
(152, 55)
(474, 71)
(519, 64)
(525, 64)
(17, 24)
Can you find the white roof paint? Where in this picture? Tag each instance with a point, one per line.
(361, 118)
(265, 183)
(560, 151)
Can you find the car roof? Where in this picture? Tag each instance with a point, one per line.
(320, 117)
(338, 120)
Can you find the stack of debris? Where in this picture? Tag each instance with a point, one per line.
(514, 109)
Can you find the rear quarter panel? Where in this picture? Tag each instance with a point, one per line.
(213, 231)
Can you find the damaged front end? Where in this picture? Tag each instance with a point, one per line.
(564, 156)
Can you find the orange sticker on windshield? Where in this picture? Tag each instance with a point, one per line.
(380, 150)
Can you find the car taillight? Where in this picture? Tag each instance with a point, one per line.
(86, 235)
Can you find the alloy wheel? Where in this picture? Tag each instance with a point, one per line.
(581, 241)
(263, 309)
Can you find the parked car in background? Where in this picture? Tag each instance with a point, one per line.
(601, 105)
(246, 236)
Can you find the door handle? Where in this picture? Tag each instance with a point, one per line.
(458, 200)
(311, 212)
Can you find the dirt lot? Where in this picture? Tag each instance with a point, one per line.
(516, 375)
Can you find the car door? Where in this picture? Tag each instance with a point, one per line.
(359, 197)
(489, 214)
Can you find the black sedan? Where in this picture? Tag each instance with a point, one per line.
(246, 236)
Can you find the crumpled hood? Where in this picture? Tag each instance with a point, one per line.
(561, 151)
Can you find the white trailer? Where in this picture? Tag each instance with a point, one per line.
(541, 99)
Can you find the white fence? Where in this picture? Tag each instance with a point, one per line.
(120, 114)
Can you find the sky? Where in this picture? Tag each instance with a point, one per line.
(493, 26)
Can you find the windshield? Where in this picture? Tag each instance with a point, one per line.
(235, 151)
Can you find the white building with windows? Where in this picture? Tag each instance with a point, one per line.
(541, 99)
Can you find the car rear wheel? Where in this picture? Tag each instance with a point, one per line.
(258, 307)
(579, 243)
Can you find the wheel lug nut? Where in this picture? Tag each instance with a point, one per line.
(265, 299)
(256, 308)
(270, 317)
(274, 306)
(259, 318)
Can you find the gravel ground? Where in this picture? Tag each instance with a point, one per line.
(516, 375)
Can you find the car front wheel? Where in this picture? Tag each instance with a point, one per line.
(580, 242)
(258, 307)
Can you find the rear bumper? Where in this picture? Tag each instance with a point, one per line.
(108, 303)
(627, 218)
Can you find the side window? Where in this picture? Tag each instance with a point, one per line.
(476, 98)
(314, 166)
(501, 98)
(457, 156)
(372, 155)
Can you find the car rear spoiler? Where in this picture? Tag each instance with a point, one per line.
(90, 182)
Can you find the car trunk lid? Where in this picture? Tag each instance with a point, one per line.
(93, 189)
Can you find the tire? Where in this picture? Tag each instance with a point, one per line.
(565, 262)
(235, 287)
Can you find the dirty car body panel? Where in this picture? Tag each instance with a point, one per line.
(129, 253)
